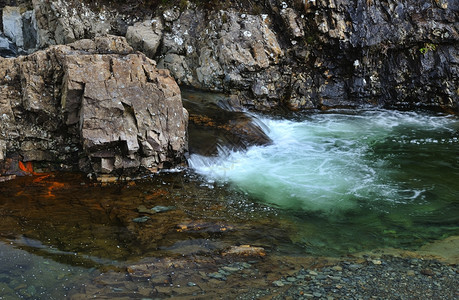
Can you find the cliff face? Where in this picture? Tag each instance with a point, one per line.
(302, 54)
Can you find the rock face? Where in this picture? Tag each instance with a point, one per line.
(315, 54)
(399, 54)
(94, 104)
(271, 53)
(232, 52)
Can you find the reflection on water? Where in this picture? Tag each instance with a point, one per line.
(379, 178)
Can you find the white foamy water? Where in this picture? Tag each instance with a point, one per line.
(332, 162)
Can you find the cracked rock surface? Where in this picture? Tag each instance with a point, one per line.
(94, 104)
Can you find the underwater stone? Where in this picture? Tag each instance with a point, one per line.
(141, 219)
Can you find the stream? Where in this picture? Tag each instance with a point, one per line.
(317, 184)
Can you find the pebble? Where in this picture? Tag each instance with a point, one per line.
(230, 269)
(160, 208)
(354, 267)
(141, 219)
(427, 272)
(278, 283)
(217, 275)
(425, 279)
(337, 268)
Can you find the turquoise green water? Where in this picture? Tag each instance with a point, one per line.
(352, 180)
(329, 184)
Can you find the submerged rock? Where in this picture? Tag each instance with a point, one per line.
(93, 105)
(245, 250)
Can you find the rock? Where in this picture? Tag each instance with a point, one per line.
(146, 36)
(278, 283)
(353, 267)
(245, 250)
(217, 275)
(141, 219)
(141, 272)
(200, 226)
(427, 272)
(220, 51)
(144, 210)
(94, 100)
(20, 27)
(337, 268)
(7, 178)
(7, 48)
(376, 261)
(160, 208)
(12, 24)
(311, 55)
(290, 19)
(70, 20)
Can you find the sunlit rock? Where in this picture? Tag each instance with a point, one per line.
(93, 100)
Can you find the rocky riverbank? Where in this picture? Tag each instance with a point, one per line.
(372, 276)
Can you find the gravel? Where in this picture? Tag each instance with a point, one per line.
(387, 278)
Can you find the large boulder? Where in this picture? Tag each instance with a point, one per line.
(94, 105)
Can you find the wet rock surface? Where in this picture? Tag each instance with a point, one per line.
(302, 55)
(94, 105)
(217, 122)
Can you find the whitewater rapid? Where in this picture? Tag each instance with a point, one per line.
(334, 162)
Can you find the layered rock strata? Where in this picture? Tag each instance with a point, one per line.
(93, 105)
(271, 53)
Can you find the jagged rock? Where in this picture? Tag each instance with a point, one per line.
(290, 19)
(146, 36)
(227, 52)
(65, 21)
(7, 48)
(20, 26)
(12, 24)
(93, 100)
(399, 54)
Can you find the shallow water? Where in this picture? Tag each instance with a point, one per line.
(329, 184)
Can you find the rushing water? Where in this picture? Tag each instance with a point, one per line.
(352, 179)
(328, 184)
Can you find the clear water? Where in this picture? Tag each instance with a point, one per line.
(329, 184)
(352, 180)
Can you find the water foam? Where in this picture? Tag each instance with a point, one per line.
(330, 162)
